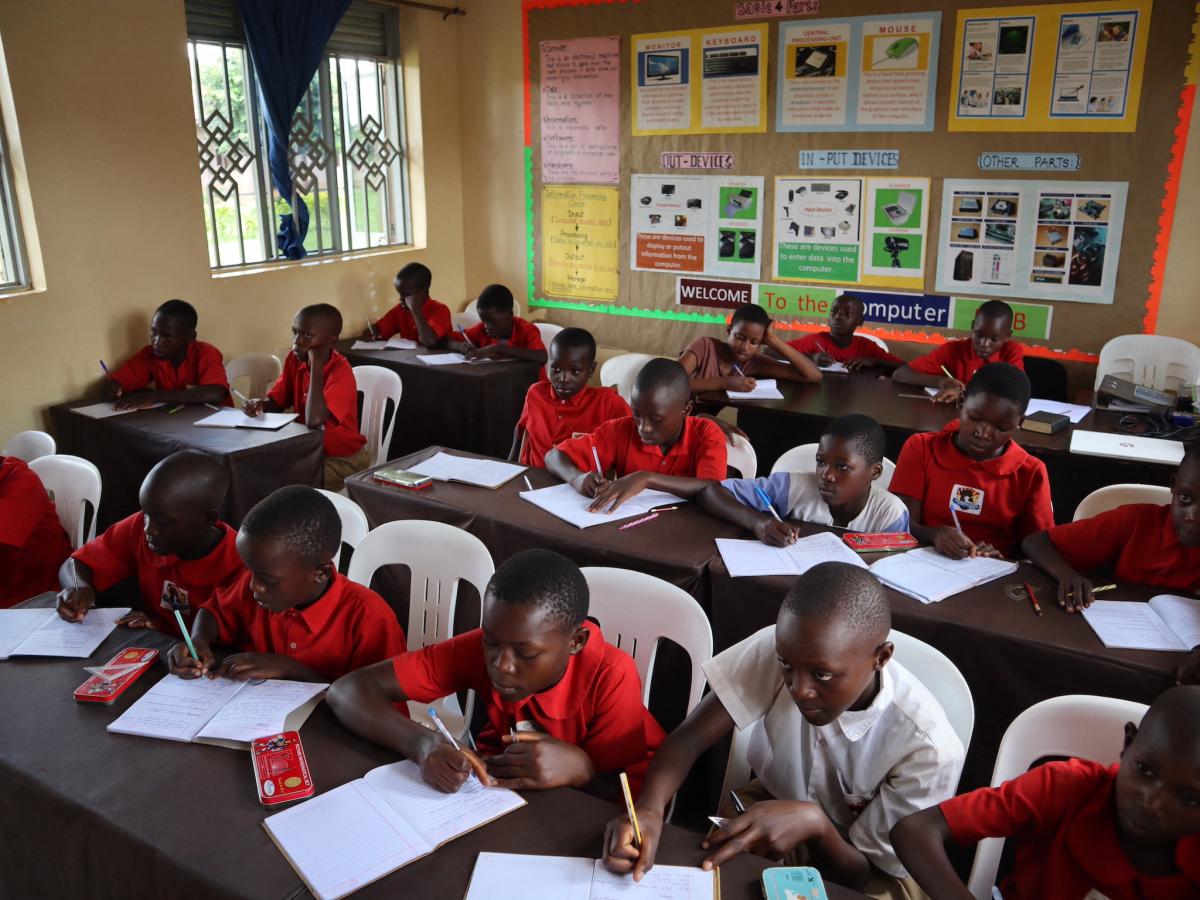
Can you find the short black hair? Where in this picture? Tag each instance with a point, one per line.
(181, 310)
(495, 296)
(661, 374)
(1191, 451)
(1177, 710)
(838, 592)
(302, 519)
(326, 312)
(864, 432)
(417, 272)
(752, 313)
(194, 475)
(994, 309)
(576, 338)
(545, 580)
(1001, 380)
(852, 298)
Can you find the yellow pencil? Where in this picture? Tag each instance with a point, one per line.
(948, 375)
(637, 831)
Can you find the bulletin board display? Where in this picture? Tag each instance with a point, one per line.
(620, 289)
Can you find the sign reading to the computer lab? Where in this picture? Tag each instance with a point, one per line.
(849, 159)
(808, 302)
(1029, 162)
(716, 294)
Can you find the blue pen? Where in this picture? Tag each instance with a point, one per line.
(441, 726)
(767, 500)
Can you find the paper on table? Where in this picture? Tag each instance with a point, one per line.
(57, 637)
(1073, 411)
(835, 368)
(442, 359)
(932, 391)
(369, 345)
(745, 558)
(489, 473)
(1131, 626)
(531, 877)
(17, 624)
(176, 708)
(235, 418)
(566, 503)
(105, 410)
(660, 883)
(1182, 615)
(259, 709)
(764, 389)
(398, 343)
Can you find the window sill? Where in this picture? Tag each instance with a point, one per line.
(16, 293)
(332, 259)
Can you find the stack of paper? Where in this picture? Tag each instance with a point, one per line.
(442, 359)
(488, 473)
(1167, 622)
(568, 504)
(835, 368)
(764, 389)
(105, 410)
(576, 878)
(926, 575)
(235, 418)
(40, 632)
(747, 558)
(1072, 411)
(393, 343)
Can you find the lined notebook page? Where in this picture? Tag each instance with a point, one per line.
(17, 624)
(57, 637)
(259, 709)
(660, 883)
(1127, 625)
(1182, 615)
(568, 504)
(176, 708)
(530, 877)
(752, 557)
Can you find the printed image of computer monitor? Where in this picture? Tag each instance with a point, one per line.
(661, 66)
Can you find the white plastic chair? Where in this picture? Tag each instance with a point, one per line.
(74, 484)
(1114, 495)
(438, 556)
(1151, 360)
(927, 664)
(1077, 725)
(547, 330)
(875, 340)
(466, 319)
(354, 523)
(620, 372)
(259, 369)
(378, 386)
(804, 459)
(29, 445)
(742, 457)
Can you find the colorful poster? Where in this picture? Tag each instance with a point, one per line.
(896, 225)
(579, 242)
(1065, 67)
(868, 73)
(1036, 239)
(702, 81)
(580, 111)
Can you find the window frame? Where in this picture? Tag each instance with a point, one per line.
(12, 238)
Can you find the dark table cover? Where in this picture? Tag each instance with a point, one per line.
(124, 448)
(467, 406)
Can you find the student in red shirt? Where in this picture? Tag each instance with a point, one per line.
(177, 539)
(990, 341)
(1082, 830)
(562, 707)
(417, 317)
(292, 614)
(660, 446)
(564, 406)
(182, 369)
(999, 492)
(32, 541)
(318, 383)
(841, 344)
(499, 333)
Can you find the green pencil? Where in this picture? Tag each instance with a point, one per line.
(187, 637)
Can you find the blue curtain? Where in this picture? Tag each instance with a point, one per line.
(287, 39)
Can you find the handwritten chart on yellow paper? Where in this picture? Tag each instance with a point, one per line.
(579, 242)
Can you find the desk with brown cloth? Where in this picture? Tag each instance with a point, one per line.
(125, 447)
(467, 406)
(85, 813)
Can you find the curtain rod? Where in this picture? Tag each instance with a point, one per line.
(446, 11)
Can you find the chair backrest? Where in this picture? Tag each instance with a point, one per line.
(547, 330)
(29, 445)
(742, 457)
(636, 611)
(804, 459)
(620, 372)
(259, 369)
(875, 340)
(75, 485)
(354, 523)
(438, 556)
(1151, 360)
(1047, 378)
(1076, 725)
(468, 318)
(379, 387)
(1114, 495)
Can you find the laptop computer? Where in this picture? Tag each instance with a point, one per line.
(1126, 446)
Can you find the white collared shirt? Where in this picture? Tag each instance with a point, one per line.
(866, 770)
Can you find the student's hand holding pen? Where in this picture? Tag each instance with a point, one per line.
(532, 760)
(180, 662)
(612, 494)
(775, 533)
(738, 383)
(950, 390)
(447, 769)
(771, 828)
(621, 852)
(74, 602)
(1074, 593)
(588, 483)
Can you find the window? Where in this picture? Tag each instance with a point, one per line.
(14, 274)
(346, 147)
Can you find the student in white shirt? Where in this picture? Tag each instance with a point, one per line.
(844, 742)
(842, 491)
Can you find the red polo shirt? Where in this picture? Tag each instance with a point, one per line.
(32, 541)
(547, 420)
(960, 358)
(999, 501)
(700, 451)
(1063, 816)
(524, 334)
(201, 366)
(859, 348)
(122, 552)
(596, 705)
(346, 628)
(1137, 541)
(400, 321)
(342, 437)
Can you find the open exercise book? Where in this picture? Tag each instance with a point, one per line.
(568, 504)
(235, 418)
(1167, 622)
(764, 389)
(346, 838)
(576, 878)
(393, 343)
(40, 632)
(106, 410)
(745, 558)
(219, 711)
(926, 575)
(488, 473)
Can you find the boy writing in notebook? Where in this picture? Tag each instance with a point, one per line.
(499, 333)
(1082, 829)
(844, 741)
(417, 317)
(173, 368)
(32, 541)
(561, 706)
(660, 446)
(839, 344)
(990, 341)
(563, 405)
(291, 614)
(177, 548)
(318, 383)
(970, 489)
